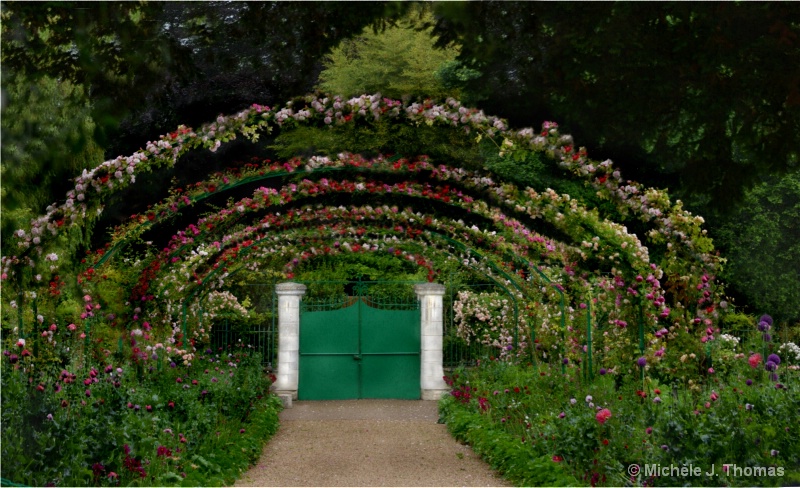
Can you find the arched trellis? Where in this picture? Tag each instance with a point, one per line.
(675, 225)
(245, 206)
(547, 207)
(92, 186)
(559, 290)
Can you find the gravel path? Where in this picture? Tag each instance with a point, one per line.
(366, 443)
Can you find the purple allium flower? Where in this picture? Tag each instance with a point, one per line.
(562, 415)
(649, 430)
(749, 382)
(565, 361)
(773, 377)
(172, 364)
(770, 366)
(603, 371)
(774, 358)
(665, 447)
(642, 361)
(657, 400)
(766, 319)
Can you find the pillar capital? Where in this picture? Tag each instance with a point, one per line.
(429, 289)
(290, 288)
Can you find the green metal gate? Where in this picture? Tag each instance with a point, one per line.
(359, 347)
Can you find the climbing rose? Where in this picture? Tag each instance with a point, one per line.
(603, 415)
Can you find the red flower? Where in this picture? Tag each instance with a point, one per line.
(603, 415)
(557, 459)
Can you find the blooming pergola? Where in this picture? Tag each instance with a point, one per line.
(543, 246)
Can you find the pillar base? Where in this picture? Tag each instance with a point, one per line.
(292, 394)
(435, 395)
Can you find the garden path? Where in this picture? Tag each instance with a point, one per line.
(367, 443)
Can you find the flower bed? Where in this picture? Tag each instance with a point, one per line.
(517, 415)
(112, 423)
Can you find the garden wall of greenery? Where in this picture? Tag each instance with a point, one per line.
(612, 279)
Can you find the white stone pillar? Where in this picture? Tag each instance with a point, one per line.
(431, 330)
(289, 295)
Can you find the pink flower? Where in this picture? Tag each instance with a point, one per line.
(754, 360)
(603, 415)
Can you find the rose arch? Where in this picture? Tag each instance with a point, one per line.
(574, 269)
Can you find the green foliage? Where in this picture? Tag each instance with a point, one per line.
(399, 61)
(518, 462)
(762, 244)
(185, 426)
(369, 267)
(47, 140)
(384, 137)
(548, 415)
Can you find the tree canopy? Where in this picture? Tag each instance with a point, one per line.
(701, 97)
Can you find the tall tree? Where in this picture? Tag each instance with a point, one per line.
(761, 241)
(399, 61)
(703, 96)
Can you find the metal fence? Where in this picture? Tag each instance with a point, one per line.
(263, 336)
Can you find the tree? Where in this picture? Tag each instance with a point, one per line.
(762, 243)
(47, 139)
(399, 61)
(701, 97)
